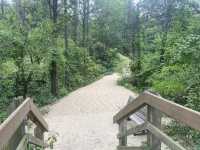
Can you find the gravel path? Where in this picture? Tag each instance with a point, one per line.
(83, 119)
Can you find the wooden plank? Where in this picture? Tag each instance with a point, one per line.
(39, 133)
(23, 143)
(129, 148)
(134, 130)
(12, 123)
(17, 137)
(35, 141)
(142, 113)
(154, 117)
(130, 109)
(176, 111)
(164, 138)
(122, 130)
(37, 117)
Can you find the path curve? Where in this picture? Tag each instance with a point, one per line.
(83, 119)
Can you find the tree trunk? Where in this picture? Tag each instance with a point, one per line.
(55, 11)
(130, 28)
(135, 35)
(168, 4)
(54, 80)
(163, 45)
(50, 8)
(53, 70)
(75, 21)
(2, 8)
(137, 39)
(66, 41)
(84, 23)
(87, 21)
(20, 11)
(66, 27)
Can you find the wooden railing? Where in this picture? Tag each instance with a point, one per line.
(156, 106)
(13, 135)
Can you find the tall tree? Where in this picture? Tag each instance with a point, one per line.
(22, 78)
(166, 20)
(75, 20)
(66, 24)
(65, 3)
(85, 21)
(162, 11)
(129, 25)
(133, 31)
(20, 11)
(2, 7)
(53, 67)
(136, 37)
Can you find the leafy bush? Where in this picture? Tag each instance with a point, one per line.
(169, 81)
(178, 79)
(103, 55)
(83, 71)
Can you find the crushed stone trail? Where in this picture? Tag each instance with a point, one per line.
(83, 119)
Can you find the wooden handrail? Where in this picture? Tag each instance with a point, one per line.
(156, 105)
(183, 114)
(26, 110)
(35, 141)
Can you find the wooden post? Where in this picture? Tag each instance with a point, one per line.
(39, 133)
(23, 145)
(154, 116)
(122, 130)
(17, 137)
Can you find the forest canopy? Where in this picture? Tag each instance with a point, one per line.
(51, 47)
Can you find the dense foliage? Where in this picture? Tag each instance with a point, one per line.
(50, 47)
(169, 55)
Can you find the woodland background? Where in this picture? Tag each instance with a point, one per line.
(51, 47)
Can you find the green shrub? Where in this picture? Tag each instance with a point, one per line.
(103, 55)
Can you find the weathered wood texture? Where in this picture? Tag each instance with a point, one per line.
(30, 139)
(23, 144)
(156, 105)
(164, 138)
(154, 117)
(12, 130)
(129, 148)
(176, 111)
(36, 141)
(122, 130)
(134, 130)
(138, 117)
